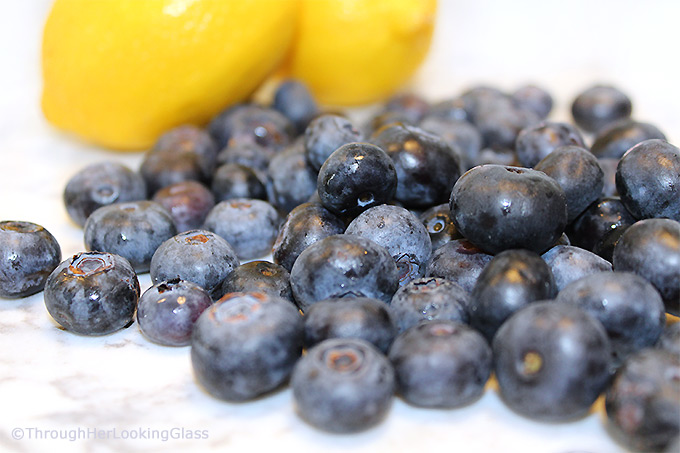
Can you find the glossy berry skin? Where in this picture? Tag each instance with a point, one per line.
(512, 280)
(442, 364)
(325, 134)
(600, 105)
(133, 230)
(98, 185)
(425, 164)
(237, 181)
(166, 312)
(427, 299)
(357, 317)
(533, 98)
(290, 180)
(401, 233)
(261, 277)
(551, 361)
(651, 249)
(245, 345)
(199, 256)
(188, 202)
(294, 100)
(648, 180)
(28, 254)
(355, 177)
(250, 124)
(578, 173)
(343, 265)
(599, 219)
(92, 293)
(617, 138)
(498, 208)
(459, 261)
(249, 225)
(535, 142)
(439, 224)
(569, 263)
(643, 401)
(343, 385)
(628, 306)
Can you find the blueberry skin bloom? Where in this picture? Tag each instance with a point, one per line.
(648, 180)
(551, 361)
(343, 385)
(245, 345)
(133, 230)
(441, 364)
(325, 134)
(459, 261)
(343, 265)
(535, 142)
(28, 254)
(600, 105)
(498, 207)
(293, 99)
(188, 202)
(92, 293)
(617, 138)
(569, 263)
(166, 312)
(355, 177)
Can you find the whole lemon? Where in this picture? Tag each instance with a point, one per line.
(358, 51)
(118, 73)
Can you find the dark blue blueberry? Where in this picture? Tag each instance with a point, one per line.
(648, 180)
(459, 261)
(598, 220)
(569, 263)
(609, 166)
(259, 277)
(343, 265)
(28, 254)
(98, 185)
(427, 299)
(578, 173)
(439, 225)
(413, 106)
(401, 233)
(670, 339)
(551, 361)
(166, 312)
(92, 293)
(512, 280)
(325, 134)
(304, 225)
(426, 166)
(249, 155)
(343, 385)
(236, 181)
(462, 136)
(386, 119)
(451, 108)
(617, 138)
(294, 100)
(441, 364)
(248, 124)
(643, 401)
(188, 202)
(498, 208)
(497, 156)
(245, 345)
(355, 177)
(533, 98)
(537, 141)
(249, 225)
(628, 306)
(199, 256)
(651, 249)
(358, 317)
(600, 105)
(480, 96)
(133, 230)
(290, 180)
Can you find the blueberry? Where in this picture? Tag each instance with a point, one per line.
(133, 230)
(643, 401)
(498, 208)
(511, 280)
(343, 265)
(343, 385)
(578, 173)
(670, 339)
(441, 364)
(290, 180)
(648, 180)
(358, 317)
(166, 312)
(261, 277)
(651, 249)
(462, 136)
(439, 225)
(294, 100)
(401, 233)
(412, 105)
(237, 181)
(628, 306)
(599, 219)
(248, 124)
(617, 138)
(355, 177)
(533, 98)
(304, 225)
(245, 345)
(427, 299)
(600, 105)
(569, 263)
(249, 155)
(92, 293)
(188, 202)
(98, 185)
(325, 134)
(551, 361)
(459, 261)
(451, 108)
(199, 256)
(249, 225)
(497, 156)
(537, 141)
(609, 166)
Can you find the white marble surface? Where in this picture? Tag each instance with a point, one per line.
(113, 393)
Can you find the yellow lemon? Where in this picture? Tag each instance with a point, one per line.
(118, 73)
(358, 51)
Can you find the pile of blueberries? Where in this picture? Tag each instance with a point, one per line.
(414, 254)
